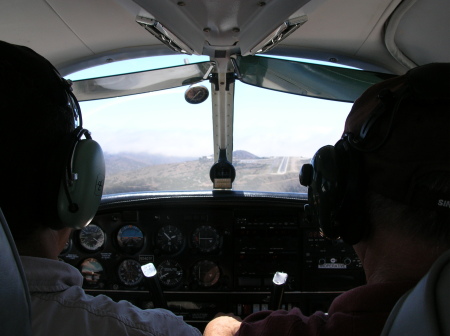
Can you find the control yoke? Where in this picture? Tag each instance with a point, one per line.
(279, 282)
(155, 290)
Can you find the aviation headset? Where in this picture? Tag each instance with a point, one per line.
(75, 174)
(83, 173)
(336, 177)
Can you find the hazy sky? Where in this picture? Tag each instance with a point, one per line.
(266, 123)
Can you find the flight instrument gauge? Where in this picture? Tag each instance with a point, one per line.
(92, 237)
(206, 238)
(130, 272)
(130, 239)
(206, 273)
(170, 239)
(92, 271)
(170, 273)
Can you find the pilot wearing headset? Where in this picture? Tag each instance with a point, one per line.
(383, 188)
(51, 182)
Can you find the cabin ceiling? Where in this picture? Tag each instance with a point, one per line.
(83, 33)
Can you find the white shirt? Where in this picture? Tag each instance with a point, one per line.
(59, 306)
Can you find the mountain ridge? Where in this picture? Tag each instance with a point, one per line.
(128, 172)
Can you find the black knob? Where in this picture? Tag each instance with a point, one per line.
(306, 174)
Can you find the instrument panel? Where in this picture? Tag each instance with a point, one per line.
(186, 246)
(213, 252)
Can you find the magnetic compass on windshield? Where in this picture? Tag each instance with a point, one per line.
(196, 94)
(206, 238)
(92, 237)
(170, 239)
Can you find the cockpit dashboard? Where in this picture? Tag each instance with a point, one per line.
(214, 251)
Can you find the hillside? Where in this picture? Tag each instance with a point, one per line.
(123, 162)
(132, 172)
(243, 155)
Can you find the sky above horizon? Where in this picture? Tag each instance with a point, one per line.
(266, 123)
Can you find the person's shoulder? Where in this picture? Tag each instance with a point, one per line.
(372, 297)
(282, 322)
(100, 314)
(144, 321)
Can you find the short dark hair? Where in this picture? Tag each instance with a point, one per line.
(400, 131)
(423, 223)
(35, 119)
(400, 127)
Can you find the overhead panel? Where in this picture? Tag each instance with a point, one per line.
(101, 25)
(38, 24)
(235, 26)
(344, 36)
(423, 34)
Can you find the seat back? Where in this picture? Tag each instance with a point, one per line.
(15, 308)
(424, 310)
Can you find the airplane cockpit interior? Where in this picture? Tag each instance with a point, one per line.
(206, 110)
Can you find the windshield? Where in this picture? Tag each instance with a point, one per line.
(157, 141)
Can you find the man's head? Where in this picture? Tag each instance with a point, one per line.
(401, 127)
(38, 139)
(395, 145)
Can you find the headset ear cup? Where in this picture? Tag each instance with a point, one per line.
(350, 212)
(335, 192)
(78, 202)
(323, 191)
